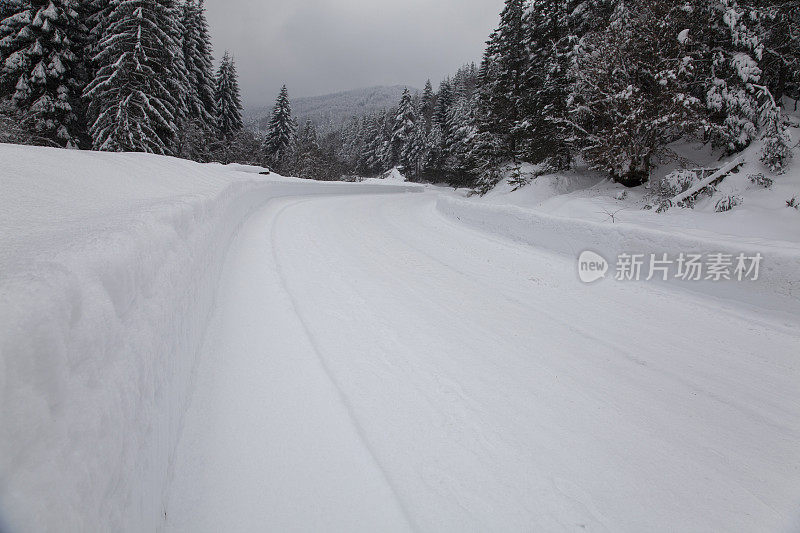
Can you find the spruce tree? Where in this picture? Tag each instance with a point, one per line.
(97, 14)
(427, 105)
(503, 89)
(444, 99)
(546, 83)
(402, 129)
(42, 66)
(281, 135)
(370, 160)
(309, 156)
(201, 103)
(228, 104)
(134, 105)
(458, 162)
(414, 151)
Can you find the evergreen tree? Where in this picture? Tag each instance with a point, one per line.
(351, 142)
(458, 162)
(503, 87)
(201, 102)
(97, 14)
(309, 157)
(42, 66)
(134, 104)
(632, 93)
(282, 133)
(228, 104)
(373, 140)
(402, 130)
(432, 156)
(414, 151)
(444, 99)
(546, 82)
(427, 105)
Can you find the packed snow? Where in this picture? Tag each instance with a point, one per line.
(109, 265)
(190, 347)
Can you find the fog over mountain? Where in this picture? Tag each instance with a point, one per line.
(332, 110)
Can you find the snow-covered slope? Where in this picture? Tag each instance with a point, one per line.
(575, 211)
(108, 269)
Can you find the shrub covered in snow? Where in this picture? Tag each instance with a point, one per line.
(674, 183)
(727, 203)
(760, 180)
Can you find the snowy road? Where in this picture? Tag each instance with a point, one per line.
(373, 366)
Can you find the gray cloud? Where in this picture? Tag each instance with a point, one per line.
(322, 46)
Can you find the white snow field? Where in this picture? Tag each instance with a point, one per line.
(197, 348)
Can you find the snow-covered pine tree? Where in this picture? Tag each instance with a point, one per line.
(777, 149)
(282, 134)
(309, 157)
(228, 103)
(133, 100)
(502, 91)
(351, 137)
(731, 98)
(459, 163)
(384, 154)
(372, 143)
(427, 104)
(430, 164)
(414, 151)
(549, 42)
(402, 129)
(42, 67)
(776, 26)
(444, 99)
(758, 58)
(199, 64)
(633, 89)
(96, 13)
(444, 102)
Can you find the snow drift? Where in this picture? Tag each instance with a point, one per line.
(108, 264)
(777, 288)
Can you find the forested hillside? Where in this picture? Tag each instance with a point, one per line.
(330, 112)
(607, 84)
(610, 84)
(118, 75)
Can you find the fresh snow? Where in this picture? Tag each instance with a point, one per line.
(109, 265)
(192, 347)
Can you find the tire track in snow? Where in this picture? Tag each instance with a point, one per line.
(346, 403)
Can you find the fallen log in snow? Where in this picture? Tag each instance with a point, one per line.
(718, 175)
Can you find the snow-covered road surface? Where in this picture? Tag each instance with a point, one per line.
(374, 366)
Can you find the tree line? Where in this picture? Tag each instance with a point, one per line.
(117, 75)
(608, 83)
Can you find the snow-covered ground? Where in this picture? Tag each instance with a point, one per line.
(375, 366)
(574, 211)
(199, 348)
(109, 265)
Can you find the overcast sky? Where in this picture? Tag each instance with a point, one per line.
(323, 46)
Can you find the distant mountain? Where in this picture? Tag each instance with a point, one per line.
(332, 110)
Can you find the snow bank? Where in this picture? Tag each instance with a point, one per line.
(108, 264)
(777, 288)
